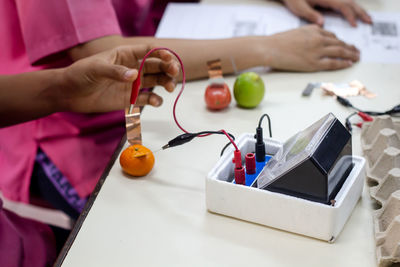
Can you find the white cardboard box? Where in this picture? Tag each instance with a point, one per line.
(277, 210)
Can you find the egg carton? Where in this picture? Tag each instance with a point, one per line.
(380, 142)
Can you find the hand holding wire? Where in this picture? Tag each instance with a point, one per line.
(187, 136)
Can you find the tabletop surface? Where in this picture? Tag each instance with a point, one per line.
(162, 220)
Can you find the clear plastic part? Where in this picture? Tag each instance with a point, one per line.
(295, 151)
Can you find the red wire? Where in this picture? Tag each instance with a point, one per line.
(230, 139)
(183, 79)
(180, 92)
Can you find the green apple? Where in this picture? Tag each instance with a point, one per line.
(248, 90)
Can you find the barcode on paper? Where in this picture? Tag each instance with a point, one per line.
(244, 28)
(384, 29)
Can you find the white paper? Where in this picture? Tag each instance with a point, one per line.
(200, 21)
(378, 43)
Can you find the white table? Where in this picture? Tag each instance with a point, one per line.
(161, 220)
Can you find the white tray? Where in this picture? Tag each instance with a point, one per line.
(278, 210)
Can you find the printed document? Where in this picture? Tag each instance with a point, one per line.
(379, 42)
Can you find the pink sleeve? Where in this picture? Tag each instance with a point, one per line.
(51, 26)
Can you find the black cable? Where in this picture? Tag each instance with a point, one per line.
(187, 137)
(259, 127)
(348, 123)
(269, 123)
(214, 132)
(260, 144)
(345, 102)
(223, 149)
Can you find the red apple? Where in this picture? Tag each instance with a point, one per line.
(217, 96)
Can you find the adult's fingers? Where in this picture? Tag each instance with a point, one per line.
(349, 9)
(349, 13)
(111, 71)
(159, 79)
(333, 41)
(130, 55)
(340, 52)
(139, 51)
(161, 53)
(149, 98)
(362, 14)
(155, 65)
(337, 42)
(334, 63)
(327, 33)
(303, 9)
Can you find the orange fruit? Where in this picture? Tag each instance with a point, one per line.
(137, 160)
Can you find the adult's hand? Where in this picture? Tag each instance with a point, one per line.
(99, 83)
(348, 8)
(103, 82)
(309, 48)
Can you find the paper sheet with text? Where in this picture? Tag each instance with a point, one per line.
(379, 42)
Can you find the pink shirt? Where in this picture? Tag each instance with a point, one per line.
(80, 145)
(24, 242)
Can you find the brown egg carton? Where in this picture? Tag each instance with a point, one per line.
(380, 142)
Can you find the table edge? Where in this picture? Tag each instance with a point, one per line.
(82, 217)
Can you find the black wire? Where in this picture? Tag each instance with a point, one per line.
(269, 123)
(213, 132)
(187, 137)
(223, 149)
(345, 102)
(217, 132)
(351, 115)
(259, 125)
(348, 123)
(391, 112)
(229, 143)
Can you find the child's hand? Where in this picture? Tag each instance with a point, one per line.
(309, 48)
(103, 82)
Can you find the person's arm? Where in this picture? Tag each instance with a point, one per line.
(308, 48)
(27, 96)
(350, 10)
(194, 53)
(99, 83)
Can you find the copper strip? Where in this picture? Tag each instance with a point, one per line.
(214, 69)
(133, 127)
